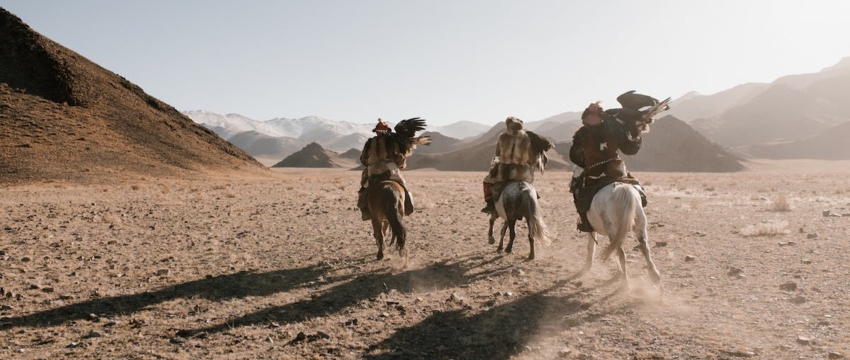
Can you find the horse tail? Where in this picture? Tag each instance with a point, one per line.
(393, 202)
(536, 225)
(624, 200)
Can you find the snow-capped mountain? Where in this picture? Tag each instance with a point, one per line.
(278, 127)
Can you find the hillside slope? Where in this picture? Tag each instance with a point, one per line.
(63, 117)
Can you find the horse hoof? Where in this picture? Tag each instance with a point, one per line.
(492, 240)
(380, 256)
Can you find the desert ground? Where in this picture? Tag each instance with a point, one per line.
(754, 265)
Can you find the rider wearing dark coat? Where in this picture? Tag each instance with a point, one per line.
(595, 149)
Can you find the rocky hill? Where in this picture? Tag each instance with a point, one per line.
(65, 118)
(828, 145)
(315, 156)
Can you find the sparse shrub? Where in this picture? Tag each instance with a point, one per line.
(780, 203)
(766, 229)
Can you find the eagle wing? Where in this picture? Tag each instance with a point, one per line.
(405, 134)
(539, 146)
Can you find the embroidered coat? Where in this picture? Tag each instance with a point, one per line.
(595, 149)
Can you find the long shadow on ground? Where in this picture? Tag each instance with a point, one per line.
(498, 333)
(213, 288)
(440, 275)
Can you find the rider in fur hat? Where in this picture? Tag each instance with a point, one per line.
(385, 155)
(518, 152)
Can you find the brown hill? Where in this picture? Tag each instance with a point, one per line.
(63, 117)
(315, 156)
(778, 114)
(673, 145)
(353, 154)
(828, 145)
(439, 143)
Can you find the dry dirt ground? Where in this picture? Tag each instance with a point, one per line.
(754, 265)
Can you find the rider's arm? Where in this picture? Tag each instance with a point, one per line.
(364, 155)
(630, 146)
(576, 152)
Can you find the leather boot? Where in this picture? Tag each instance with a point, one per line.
(584, 225)
(488, 197)
(490, 208)
(361, 203)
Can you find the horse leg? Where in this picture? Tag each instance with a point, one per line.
(378, 232)
(490, 231)
(530, 239)
(591, 252)
(502, 238)
(654, 275)
(622, 257)
(512, 227)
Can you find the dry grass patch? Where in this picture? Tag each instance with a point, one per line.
(766, 229)
(780, 204)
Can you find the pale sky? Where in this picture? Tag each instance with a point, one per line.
(443, 60)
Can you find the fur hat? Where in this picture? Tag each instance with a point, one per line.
(382, 127)
(514, 124)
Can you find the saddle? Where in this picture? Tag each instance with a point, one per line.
(584, 188)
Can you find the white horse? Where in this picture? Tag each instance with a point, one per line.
(615, 210)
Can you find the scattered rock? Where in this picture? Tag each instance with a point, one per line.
(835, 355)
(455, 298)
(788, 286)
(660, 243)
(812, 236)
(803, 340)
(93, 334)
(565, 352)
(733, 271)
(797, 300)
(806, 261)
(26, 259)
(163, 272)
(690, 258)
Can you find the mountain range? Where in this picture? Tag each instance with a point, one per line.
(782, 119)
(65, 118)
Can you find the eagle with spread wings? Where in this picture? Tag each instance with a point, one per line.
(404, 134)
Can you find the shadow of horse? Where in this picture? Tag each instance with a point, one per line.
(500, 332)
(386, 204)
(519, 201)
(616, 209)
(218, 288)
(369, 285)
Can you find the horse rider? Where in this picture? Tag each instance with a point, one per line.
(518, 152)
(383, 156)
(595, 146)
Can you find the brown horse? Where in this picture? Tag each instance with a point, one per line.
(386, 204)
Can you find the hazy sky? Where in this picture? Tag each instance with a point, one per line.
(357, 60)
